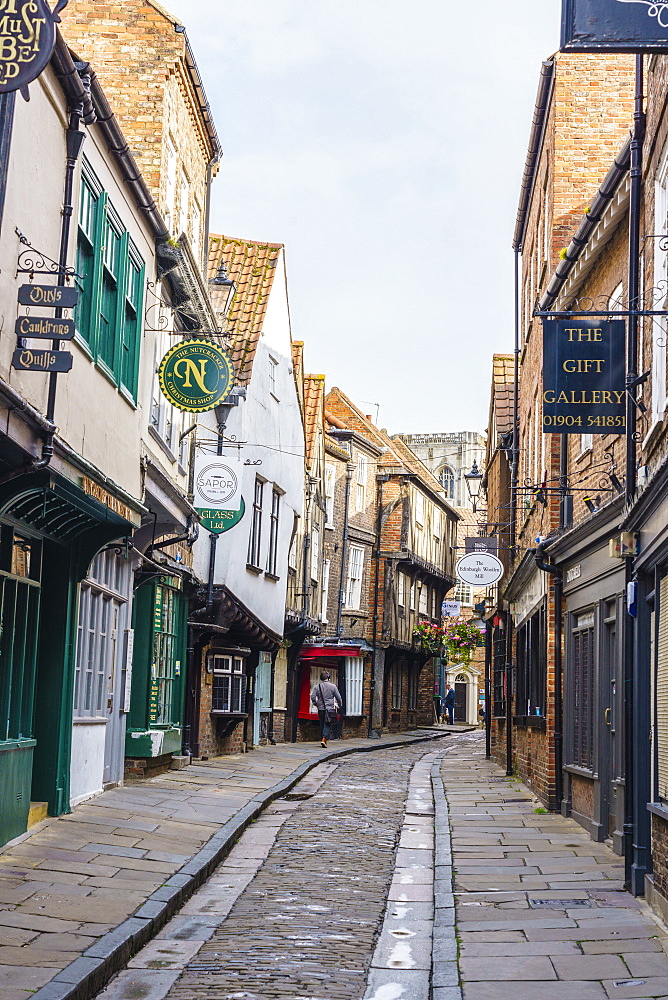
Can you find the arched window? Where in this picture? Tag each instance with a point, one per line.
(447, 480)
(461, 679)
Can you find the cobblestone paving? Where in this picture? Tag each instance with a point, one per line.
(541, 911)
(306, 925)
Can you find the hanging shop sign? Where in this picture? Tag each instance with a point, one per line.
(220, 521)
(41, 361)
(217, 483)
(196, 375)
(614, 26)
(27, 40)
(480, 569)
(451, 609)
(584, 376)
(53, 296)
(45, 328)
(478, 544)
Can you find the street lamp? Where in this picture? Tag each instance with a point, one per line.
(473, 484)
(227, 288)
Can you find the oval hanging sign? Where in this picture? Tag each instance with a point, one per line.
(480, 569)
(196, 375)
(27, 40)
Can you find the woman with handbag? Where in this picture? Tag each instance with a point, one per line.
(326, 698)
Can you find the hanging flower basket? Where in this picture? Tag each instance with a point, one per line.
(428, 637)
(460, 639)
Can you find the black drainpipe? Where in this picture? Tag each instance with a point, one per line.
(558, 664)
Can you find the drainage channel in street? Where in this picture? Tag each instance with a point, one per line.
(327, 896)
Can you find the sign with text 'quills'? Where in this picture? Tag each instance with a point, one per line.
(584, 380)
(27, 360)
(614, 26)
(53, 296)
(45, 328)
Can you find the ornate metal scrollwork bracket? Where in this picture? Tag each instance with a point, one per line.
(32, 261)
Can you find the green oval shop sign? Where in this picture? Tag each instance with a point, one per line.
(196, 375)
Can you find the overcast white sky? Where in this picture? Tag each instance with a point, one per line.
(382, 141)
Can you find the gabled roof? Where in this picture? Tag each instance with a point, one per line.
(252, 267)
(503, 385)
(314, 411)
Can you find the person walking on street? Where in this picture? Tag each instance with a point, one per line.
(450, 703)
(326, 698)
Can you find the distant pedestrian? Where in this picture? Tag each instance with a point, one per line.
(326, 698)
(450, 703)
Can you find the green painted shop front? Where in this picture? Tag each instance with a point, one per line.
(50, 529)
(160, 623)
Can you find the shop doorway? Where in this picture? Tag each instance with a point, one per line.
(461, 692)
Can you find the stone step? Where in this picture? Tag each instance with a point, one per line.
(38, 812)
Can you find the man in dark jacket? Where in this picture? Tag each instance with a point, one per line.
(450, 703)
(326, 698)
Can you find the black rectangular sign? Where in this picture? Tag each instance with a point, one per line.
(45, 327)
(614, 26)
(584, 376)
(477, 544)
(54, 296)
(41, 361)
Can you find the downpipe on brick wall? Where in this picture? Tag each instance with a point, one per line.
(556, 573)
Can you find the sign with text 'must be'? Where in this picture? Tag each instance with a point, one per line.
(614, 26)
(584, 381)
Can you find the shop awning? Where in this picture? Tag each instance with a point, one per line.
(313, 652)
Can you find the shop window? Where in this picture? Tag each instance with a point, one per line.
(255, 539)
(228, 693)
(164, 709)
(354, 673)
(20, 572)
(101, 633)
(395, 684)
(662, 691)
(355, 573)
(413, 678)
(499, 653)
(110, 282)
(531, 667)
(583, 691)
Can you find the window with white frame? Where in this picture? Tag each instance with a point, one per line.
(362, 469)
(464, 594)
(315, 552)
(255, 540)
(424, 600)
(354, 673)
(272, 555)
(660, 331)
(401, 590)
(330, 483)
(196, 229)
(586, 442)
(183, 203)
(325, 591)
(419, 508)
(228, 689)
(170, 182)
(292, 554)
(354, 577)
(273, 365)
(165, 419)
(102, 628)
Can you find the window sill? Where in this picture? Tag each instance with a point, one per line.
(578, 771)
(254, 569)
(128, 397)
(217, 713)
(529, 722)
(658, 809)
(162, 443)
(107, 372)
(83, 345)
(652, 435)
(272, 577)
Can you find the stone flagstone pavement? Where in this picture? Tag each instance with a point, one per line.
(72, 881)
(541, 911)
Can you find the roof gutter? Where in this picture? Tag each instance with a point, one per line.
(543, 99)
(605, 194)
(205, 107)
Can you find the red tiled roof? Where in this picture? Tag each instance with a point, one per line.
(252, 267)
(503, 384)
(314, 411)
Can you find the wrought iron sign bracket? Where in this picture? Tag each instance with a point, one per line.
(32, 261)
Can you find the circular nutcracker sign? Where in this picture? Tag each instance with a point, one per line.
(196, 375)
(480, 569)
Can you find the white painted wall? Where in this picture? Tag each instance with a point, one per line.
(87, 761)
(270, 428)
